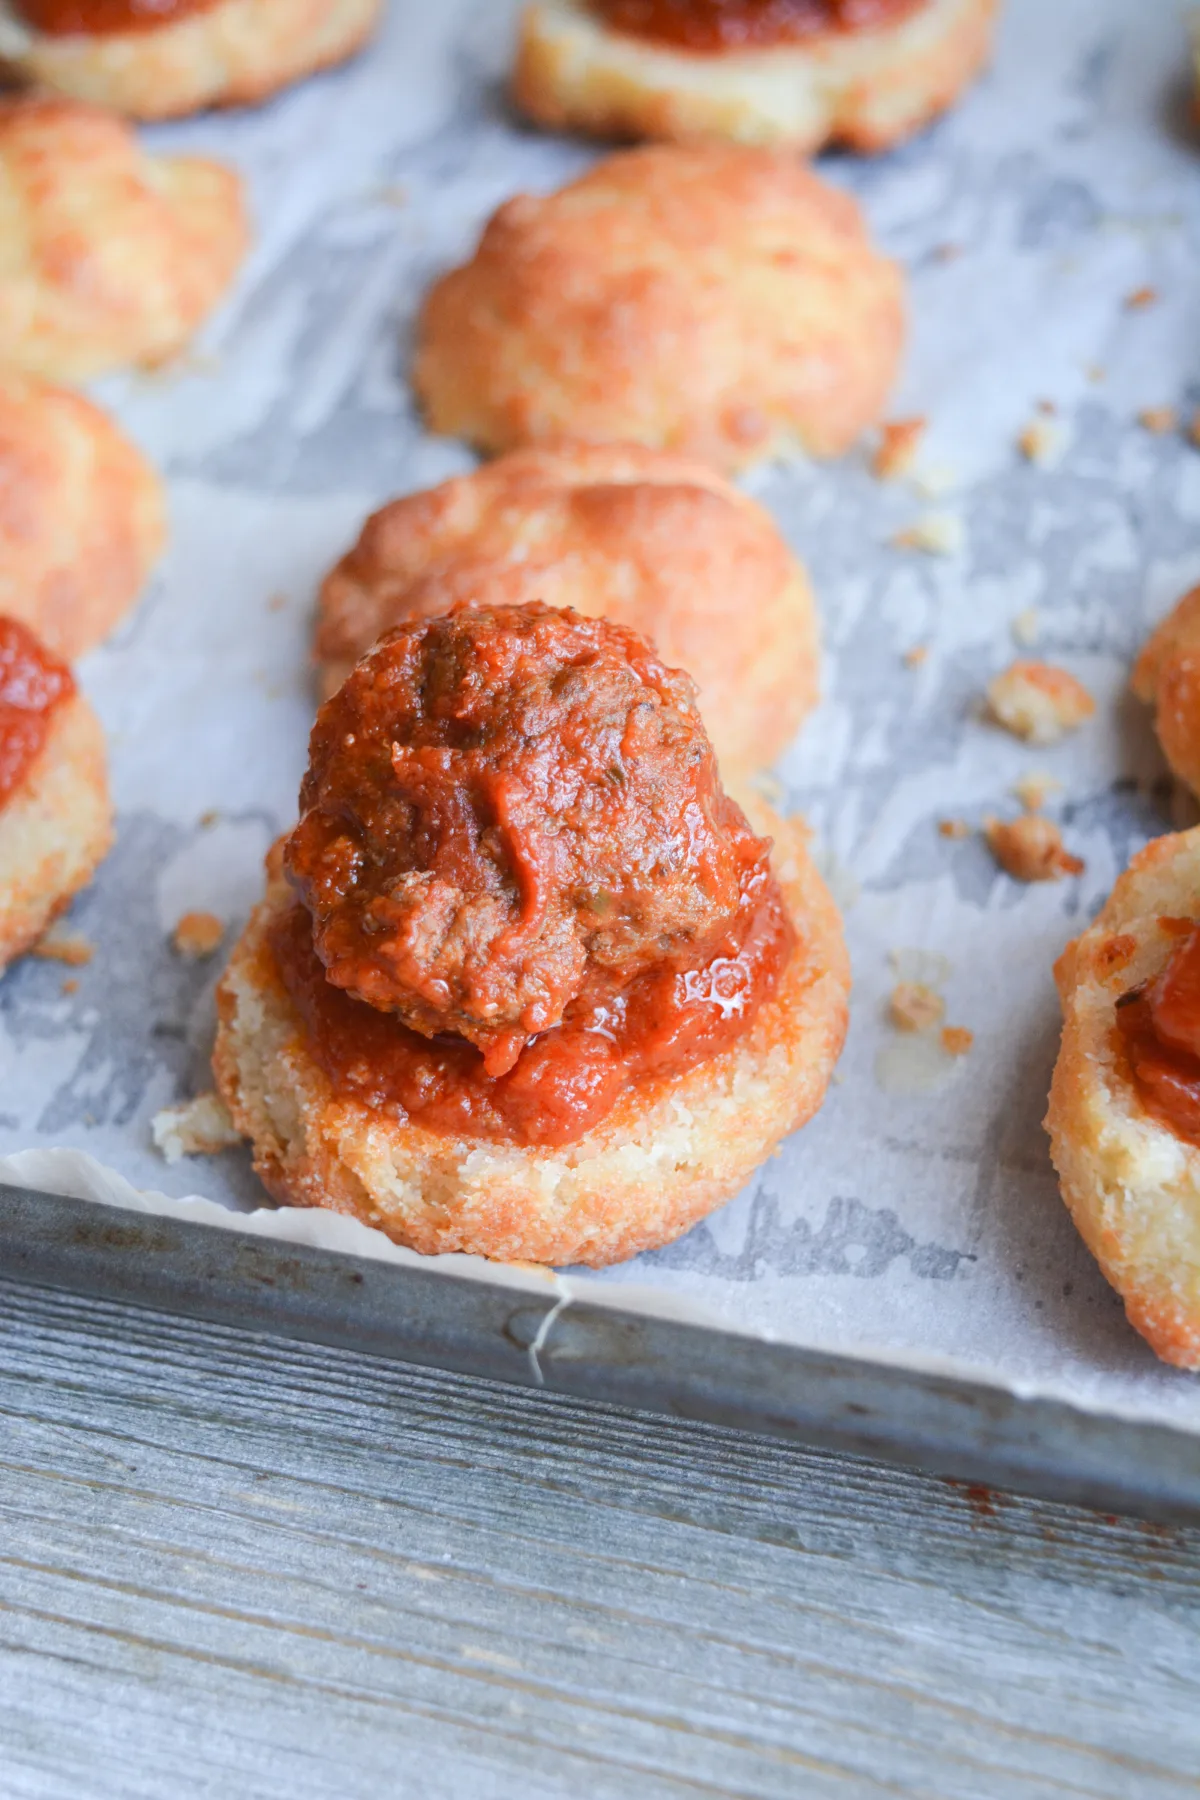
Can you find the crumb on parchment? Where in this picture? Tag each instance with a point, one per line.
(1025, 627)
(899, 440)
(953, 828)
(957, 1040)
(1030, 848)
(208, 819)
(1043, 442)
(1158, 419)
(916, 656)
(937, 534)
(1038, 701)
(915, 1006)
(58, 945)
(197, 934)
(1140, 299)
(199, 1127)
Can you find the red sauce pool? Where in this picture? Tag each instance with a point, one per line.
(105, 18)
(715, 25)
(32, 684)
(569, 1079)
(1159, 1025)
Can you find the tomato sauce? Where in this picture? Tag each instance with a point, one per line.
(566, 1081)
(716, 25)
(1159, 1024)
(32, 684)
(105, 18)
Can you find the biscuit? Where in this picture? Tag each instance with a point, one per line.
(1167, 677)
(55, 828)
(81, 516)
(719, 302)
(1131, 1184)
(866, 88)
(668, 1154)
(107, 256)
(652, 541)
(234, 53)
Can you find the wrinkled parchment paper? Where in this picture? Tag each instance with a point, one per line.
(910, 1221)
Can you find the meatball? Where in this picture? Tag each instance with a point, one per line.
(500, 804)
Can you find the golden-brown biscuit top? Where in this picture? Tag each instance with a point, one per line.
(712, 300)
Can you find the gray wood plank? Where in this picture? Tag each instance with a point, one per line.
(235, 1565)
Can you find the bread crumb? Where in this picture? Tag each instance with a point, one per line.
(197, 934)
(68, 947)
(277, 602)
(937, 534)
(898, 441)
(1158, 419)
(915, 1006)
(953, 828)
(1025, 627)
(199, 1127)
(1140, 299)
(1030, 848)
(1035, 788)
(1043, 442)
(957, 1040)
(916, 656)
(1048, 407)
(1038, 702)
(208, 819)
(69, 986)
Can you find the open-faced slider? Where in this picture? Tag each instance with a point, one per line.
(794, 73)
(525, 982)
(157, 59)
(55, 814)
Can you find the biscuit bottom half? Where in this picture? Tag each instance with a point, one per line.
(668, 1154)
(234, 53)
(868, 88)
(55, 829)
(1131, 1183)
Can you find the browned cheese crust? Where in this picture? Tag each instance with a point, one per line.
(651, 541)
(1132, 1185)
(81, 516)
(107, 256)
(868, 89)
(55, 829)
(1167, 677)
(232, 54)
(666, 1156)
(718, 302)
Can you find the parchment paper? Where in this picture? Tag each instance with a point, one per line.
(919, 1226)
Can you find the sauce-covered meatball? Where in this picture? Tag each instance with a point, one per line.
(499, 805)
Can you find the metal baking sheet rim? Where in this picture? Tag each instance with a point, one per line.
(67, 1222)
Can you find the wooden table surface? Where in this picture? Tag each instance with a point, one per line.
(235, 1565)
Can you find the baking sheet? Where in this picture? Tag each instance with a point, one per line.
(919, 1227)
